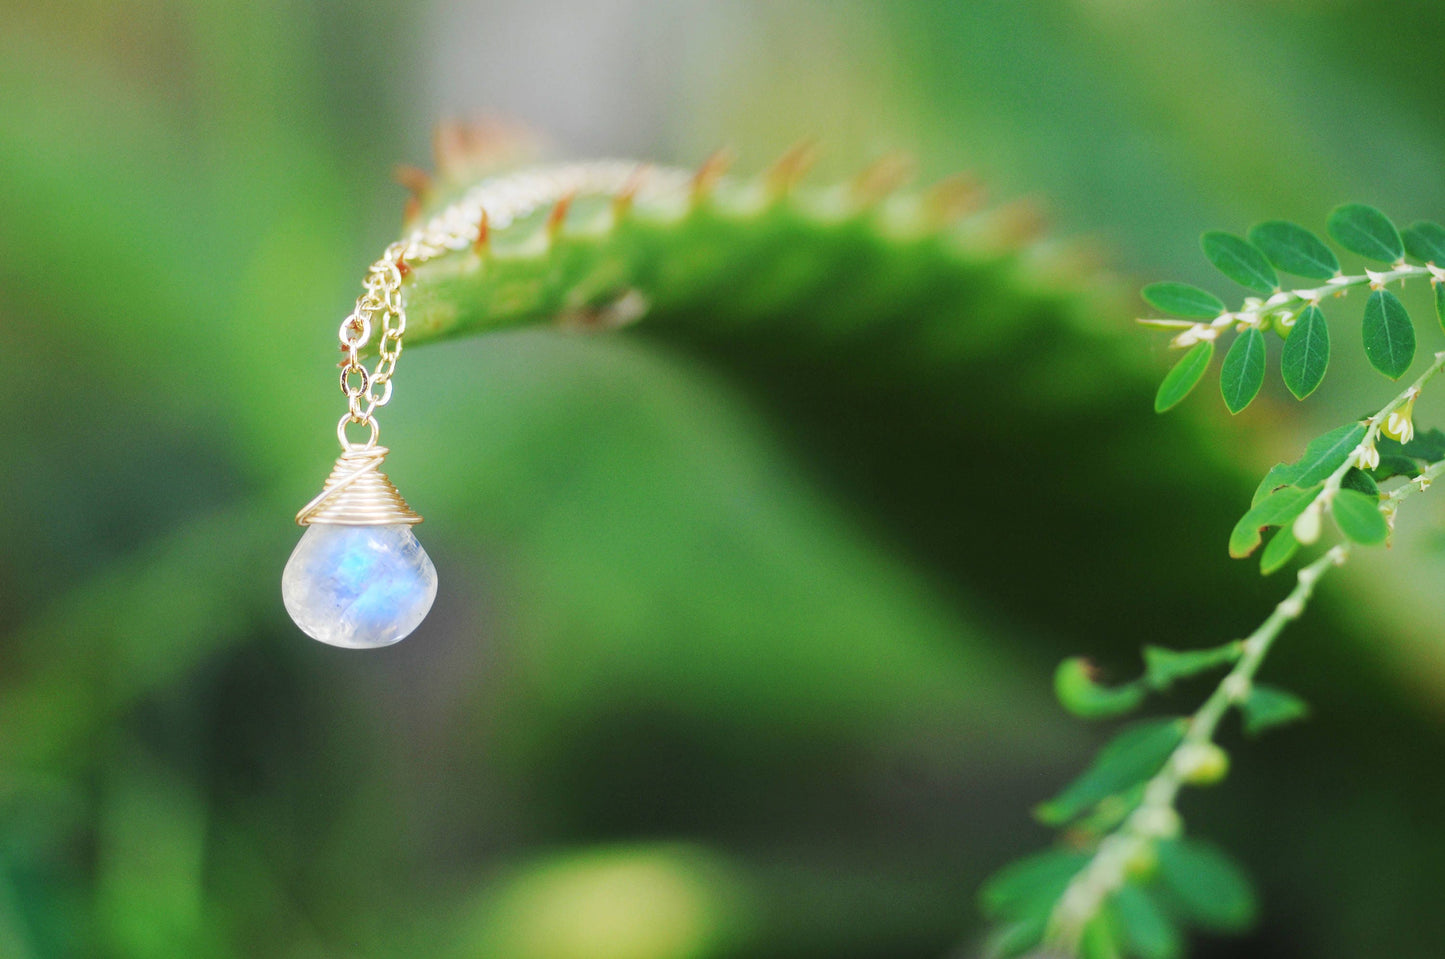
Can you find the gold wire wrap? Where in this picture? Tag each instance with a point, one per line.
(357, 493)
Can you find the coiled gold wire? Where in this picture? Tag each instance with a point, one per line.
(357, 493)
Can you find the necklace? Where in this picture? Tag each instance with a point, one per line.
(359, 578)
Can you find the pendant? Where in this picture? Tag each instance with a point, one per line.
(359, 578)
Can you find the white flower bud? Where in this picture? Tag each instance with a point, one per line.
(1307, 525)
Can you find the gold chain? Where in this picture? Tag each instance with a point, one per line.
(493, 204)
(380, 306)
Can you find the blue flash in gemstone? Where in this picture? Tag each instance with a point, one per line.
(358, 586)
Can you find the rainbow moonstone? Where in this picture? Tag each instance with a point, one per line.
(358, 586)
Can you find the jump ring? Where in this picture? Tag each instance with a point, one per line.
(346, 443)
(356, 328)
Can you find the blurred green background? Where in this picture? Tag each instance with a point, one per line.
(735, 653)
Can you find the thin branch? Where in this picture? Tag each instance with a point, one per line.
(1155, 818)
(1285, 306)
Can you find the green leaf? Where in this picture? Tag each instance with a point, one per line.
(1395, 464)
(1269, 706)
(1294, 249)
(1134, 755)
(1425, 241)
(1205, 886)
(1428, 445)
(1146, 928)
(1358, 479)
(1358, 516)
(1306, 353)
(1324, 454)
(1030, 885)
(1322, 457)
(1185, 375)
(1163, 666)
(1280, 474)
(1101, 938)
(1404, 460)
(1365, 230)
(1081, 695)
(1440, 303)
(1015, 939)
(1237, 259)
(1276, 509)
(1389, 335)
(1108, 814)
(1278, 551)
(1242, 373)
(1181, 299)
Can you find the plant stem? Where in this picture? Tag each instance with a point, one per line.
(1374, 423)
(1286, 304)
(1155, 818)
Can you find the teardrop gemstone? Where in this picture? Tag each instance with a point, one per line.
(359, 587)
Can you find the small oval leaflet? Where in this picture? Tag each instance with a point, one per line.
(1388, 334)
(1425, 241)
(1365, 230)
(1016, 938)
(1268, 707)
(1358, 479)
(1100, 939)
(1278, 551)
(1206, 886)
(1321, 457)
(1164, 666)
(1306, 353)
(1147, 928)
(1181, 299)
(1293, 249)
(1275, 509)
(1132, 756)
(1358, 516)
(1237, 259)
(1324, 454)
(1242, 374)
(1080, 694)
(1031, 884)
(1184, 376)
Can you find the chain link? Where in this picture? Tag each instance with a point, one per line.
(379, 306)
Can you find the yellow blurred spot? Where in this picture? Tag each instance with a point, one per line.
(661, 902)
